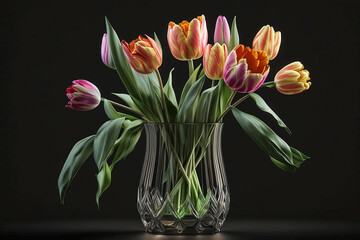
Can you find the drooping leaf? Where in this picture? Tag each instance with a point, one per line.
(104, 181)
(189, 83)
(191, 95)
(234, 36)
(298, 157)
(169, 90)
(113, 114)
(264, 137)
(128, 140)
(264, 107)
(76, 158)
(105, 139)
(284, 165)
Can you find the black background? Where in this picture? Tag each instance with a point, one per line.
(47, 44)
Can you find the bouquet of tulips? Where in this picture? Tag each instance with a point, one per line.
(230, 68)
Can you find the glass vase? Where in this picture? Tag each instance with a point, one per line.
(183, 186)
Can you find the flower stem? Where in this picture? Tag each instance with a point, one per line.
(232, 106)
(162, 95)
(128, 109)
(191, 67)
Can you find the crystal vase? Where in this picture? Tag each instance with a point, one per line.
(183, 186)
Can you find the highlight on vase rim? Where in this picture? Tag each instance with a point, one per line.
(232, 72)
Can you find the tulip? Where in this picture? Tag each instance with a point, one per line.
(106, 56)
(213, 60)
(245, 70)
(268, 41)
(83, 95)
(292, 79)
(143, 54)
(186, 40)
(222, 31)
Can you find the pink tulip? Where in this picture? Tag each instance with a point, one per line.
(222, 31)
(143, 54)
(245, 70)
(188, 40)
(106, 56)
(268, 41)
(83, 95)
(213, 60)
(292, 79)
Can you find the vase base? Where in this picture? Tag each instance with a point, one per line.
(189, 224)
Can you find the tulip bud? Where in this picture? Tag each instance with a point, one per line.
(245, 70)
(83, 95)
(188, 40)
(222, 31)
(292, 79)
(106, 55)
(143, 54)
(213, 60)
(268, 41)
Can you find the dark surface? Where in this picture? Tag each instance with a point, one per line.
(131, 229)
(47, 44)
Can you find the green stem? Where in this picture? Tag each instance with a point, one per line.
(127, 108)
(162, 95)
(232, 106)
(191, 67)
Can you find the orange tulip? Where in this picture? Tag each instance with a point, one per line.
(188, 40)
(143, 54)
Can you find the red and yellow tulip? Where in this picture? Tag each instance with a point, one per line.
(143, 54)
(188, 40)
(292, 79)
(245, 70)
(267, 40)
(214, 60)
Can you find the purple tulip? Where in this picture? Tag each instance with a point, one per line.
(245, 70)
(106, 55)
(222, 31)
(83, 95)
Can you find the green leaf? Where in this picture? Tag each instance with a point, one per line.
(127, 99)
(264, 137)
(264, 107)
(113, 114)
(189, 83)
(189, 99)
(76, 158)
(225, 93)
(144, 109)
(157, 41)
(105, 139)
(208, 107)
(283, 165)
(122, 65)
(104, 181)
(169, 90)
(298, 157)
(234, 36)
(128, 140)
